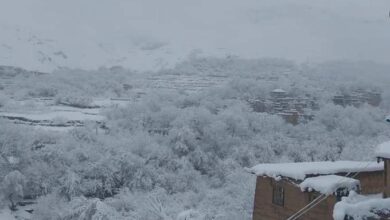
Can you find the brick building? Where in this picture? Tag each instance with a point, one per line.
(368, 207)
(383, 154)
(283, 190)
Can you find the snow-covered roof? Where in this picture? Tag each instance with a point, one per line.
(388, 118)
(299, 171)
(383, 150)
(328, 184)
(361, 207)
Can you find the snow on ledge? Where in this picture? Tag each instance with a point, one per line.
(361, 207)
(383, 150)
(299, 171)
(329, 184)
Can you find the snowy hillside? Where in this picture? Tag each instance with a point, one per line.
(148, 35)
(155, 109)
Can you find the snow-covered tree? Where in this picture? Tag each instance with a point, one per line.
(12, 188)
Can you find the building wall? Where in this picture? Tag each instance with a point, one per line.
(387, 179)
(294, 200)
(371, 182)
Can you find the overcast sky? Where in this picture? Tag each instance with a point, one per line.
(153, 33)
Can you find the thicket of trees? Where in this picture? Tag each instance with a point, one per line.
(178, 155)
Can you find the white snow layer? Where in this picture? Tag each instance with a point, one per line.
(55, 115)
(383, 150)
(189, 215)
(329, 184)
(5, 214)
(361, 207)
(299, 171)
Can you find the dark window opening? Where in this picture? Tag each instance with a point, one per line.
(313, 196)
(341, 192)
(278, 196)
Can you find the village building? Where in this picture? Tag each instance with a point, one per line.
(290, 108)
(357, 98)
(377, 206)
(278, 93)
(341, 190)
(383, 154)
(284, 190)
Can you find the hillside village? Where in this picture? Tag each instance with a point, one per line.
(296, 109)
(215, 125)
(194, 110)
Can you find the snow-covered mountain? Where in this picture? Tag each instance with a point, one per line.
(150, 34)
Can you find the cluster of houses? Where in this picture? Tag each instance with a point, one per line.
(293, 109)
(358, 97)
(281, 103)
(340, 190)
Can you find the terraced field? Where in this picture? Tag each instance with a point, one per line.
(46, 113)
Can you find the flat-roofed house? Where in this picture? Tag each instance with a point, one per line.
(355, 206)
(383, 154)
(284, 190)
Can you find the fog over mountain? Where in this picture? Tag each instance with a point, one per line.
(178, 109)
(150, 34)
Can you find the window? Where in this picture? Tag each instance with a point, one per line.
(341, 192)
(313, 196)
(278, 196)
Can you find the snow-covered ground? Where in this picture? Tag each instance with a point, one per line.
(189, 83)
(47, 114)
(151, 34)
(20, 214)
(53, 116)
(44, 114)
(6, 214)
